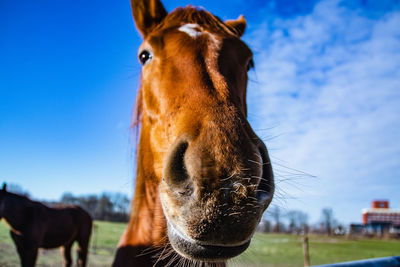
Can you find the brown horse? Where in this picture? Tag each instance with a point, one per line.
(204, 178)
(34, 225)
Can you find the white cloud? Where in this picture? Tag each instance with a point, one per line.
(330, 81)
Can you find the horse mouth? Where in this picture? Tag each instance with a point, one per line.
(196, 250)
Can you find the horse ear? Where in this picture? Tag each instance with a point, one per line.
(4, 187)
(147, 14)
(238, 24)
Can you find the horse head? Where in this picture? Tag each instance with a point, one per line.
(212, 172)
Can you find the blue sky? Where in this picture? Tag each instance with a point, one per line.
(325, 96)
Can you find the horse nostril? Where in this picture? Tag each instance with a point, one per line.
(265, 187)
(175, 173)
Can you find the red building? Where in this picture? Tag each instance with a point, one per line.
(380, 213)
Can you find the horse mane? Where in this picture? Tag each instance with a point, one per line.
(137, 113)
(18, 196)
(28, 201)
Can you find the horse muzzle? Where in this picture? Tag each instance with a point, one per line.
(211, 216)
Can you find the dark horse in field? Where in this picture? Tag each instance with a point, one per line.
(34, 225)
(204, 177)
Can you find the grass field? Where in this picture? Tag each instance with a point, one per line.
(265, 250)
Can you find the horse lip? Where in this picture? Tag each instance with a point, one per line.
(198, 250)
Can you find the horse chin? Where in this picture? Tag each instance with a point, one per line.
(199, 251)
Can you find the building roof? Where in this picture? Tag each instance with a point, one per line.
(381, 211)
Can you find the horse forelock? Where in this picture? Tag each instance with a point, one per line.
(194, 15)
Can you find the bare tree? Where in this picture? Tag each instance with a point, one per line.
(303, 222)
(104, 208)
(298, 221)
(68, 198)
(328, 220)
(121, 203)
(264, 226)
(276, 216)
(292, 217)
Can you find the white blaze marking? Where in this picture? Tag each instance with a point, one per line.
(211, 57)
(191, 29)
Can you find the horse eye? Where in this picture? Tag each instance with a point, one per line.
(145, 57)
(250, 65)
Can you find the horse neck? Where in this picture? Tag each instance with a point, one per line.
(15, 211)
(147, 225)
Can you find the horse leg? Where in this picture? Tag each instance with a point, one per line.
(83, 242)
(82, 253)
(66, 253)
(83, 248)
(29, 258)
(27, 251)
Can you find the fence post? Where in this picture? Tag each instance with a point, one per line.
(94, 238)
(306, 252)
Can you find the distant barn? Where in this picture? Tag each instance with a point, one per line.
(380, 218)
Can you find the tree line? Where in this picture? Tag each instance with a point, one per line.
(107, 206)
(296, 222)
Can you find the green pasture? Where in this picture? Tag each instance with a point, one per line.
(287, 250)
(265, 250)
